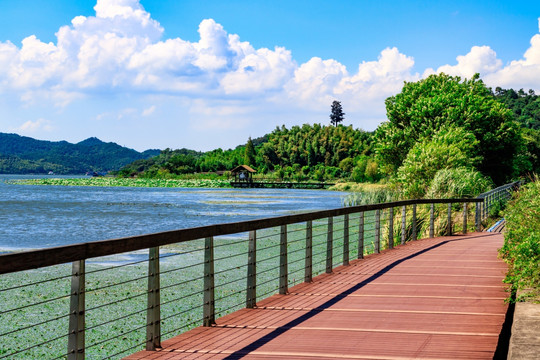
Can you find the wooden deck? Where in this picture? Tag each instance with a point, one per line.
(280, 184)
(439, 298)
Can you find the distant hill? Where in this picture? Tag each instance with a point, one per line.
(25, 155)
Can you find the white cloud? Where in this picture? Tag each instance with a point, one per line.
(481, 59)
(35, 126)
(149, 111)
(523, 73)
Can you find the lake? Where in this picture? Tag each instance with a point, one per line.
(34, 217)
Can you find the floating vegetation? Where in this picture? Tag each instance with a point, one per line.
(128, 182)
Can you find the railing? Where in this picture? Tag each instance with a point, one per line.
(107, 299)
(493, 199)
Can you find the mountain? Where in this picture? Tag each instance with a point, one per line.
(23, 155)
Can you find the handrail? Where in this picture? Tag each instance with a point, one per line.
(33, 259)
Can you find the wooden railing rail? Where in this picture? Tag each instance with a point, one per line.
(64, 254)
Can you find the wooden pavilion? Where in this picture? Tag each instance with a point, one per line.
(243, 173)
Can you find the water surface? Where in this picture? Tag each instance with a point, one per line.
(44, 216)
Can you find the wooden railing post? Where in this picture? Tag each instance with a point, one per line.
(76, 343)
(465, 217)
(377, 243)
(414, 229)
(431, 220)
(449, 223)
(209, 309)
(308, 268)
(330, 245)
(361, 235)
(346, 240)
(251, 289)
(153, 316)
(283, 261)
(403, 224)
(391, 228)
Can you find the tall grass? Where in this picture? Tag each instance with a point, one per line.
(521, 248)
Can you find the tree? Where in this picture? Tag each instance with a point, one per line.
(249, 155)
(424, 107)
(336, 115)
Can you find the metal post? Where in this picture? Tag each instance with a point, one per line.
(377, 244)
(251, 290)
(477, 217)
(209, 310)
(431, 220)
(414, 229)
(449, 224)
(403, 223)
(153, 317)
(308, 268)
(391, 228)
(346, 240)
(329, 245)
(76, 312)
(283, 269)
(361, 235)
(465, 210)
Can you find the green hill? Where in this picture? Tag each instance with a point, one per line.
(24, 155)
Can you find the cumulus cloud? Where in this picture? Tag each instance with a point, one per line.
(121, 49)
(219, 80)
(481, 59)
(523, 73)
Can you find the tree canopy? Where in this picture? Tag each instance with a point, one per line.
(424, 107)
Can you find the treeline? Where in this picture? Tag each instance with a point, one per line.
(308, 152)
(441, 130)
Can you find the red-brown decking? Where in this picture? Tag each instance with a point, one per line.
(439, 298)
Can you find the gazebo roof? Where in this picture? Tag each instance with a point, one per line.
(243, 168)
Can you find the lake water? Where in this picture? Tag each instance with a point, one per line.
(34, 217)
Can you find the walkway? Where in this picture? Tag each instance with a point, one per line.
(439, 298)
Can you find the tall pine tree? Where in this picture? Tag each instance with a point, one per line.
(336, 115)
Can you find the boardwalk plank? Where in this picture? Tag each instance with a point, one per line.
(440, 298)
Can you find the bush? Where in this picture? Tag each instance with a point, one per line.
(451, 147)
(457, 183)
(521, 248)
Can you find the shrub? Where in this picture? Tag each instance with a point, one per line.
(521, 249)
(458, 183)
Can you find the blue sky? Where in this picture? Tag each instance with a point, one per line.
(209, 74)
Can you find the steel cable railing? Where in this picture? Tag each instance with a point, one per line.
(114, 307)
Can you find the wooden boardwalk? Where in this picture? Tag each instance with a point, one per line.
(439, 298)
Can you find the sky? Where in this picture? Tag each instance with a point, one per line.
(156, 74)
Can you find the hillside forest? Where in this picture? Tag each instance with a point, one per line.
(441, 127)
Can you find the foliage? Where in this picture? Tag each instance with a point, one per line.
(249, 153)
(300, 153)
(22, 155)
(521, 248)
(336, 113)
(525, 106)
(449, 148)
(424, 107)
(458, 183)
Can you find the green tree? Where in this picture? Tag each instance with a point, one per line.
(336, 113)
(249, 154)
(424, 107)
(450, 148)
